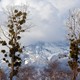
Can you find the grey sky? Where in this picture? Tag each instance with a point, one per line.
(48, 17)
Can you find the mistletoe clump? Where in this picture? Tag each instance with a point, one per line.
(15, 28)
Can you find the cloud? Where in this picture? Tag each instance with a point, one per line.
(47, 16)
(48, 22)
(63, 4)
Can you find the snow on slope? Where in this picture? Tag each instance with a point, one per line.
(42, 55)
(42, 52)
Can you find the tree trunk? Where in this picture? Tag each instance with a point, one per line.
(12, 69)
(75, 72)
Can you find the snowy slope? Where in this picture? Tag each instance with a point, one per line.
(46, 59)
(42, 52)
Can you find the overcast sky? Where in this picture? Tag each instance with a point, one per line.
(48, 17)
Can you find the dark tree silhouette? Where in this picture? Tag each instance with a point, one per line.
(73, 25)
(15, 28)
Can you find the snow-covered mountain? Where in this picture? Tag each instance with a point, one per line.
(42, 52)
(51, 47)
(45, 59)
(48, 57)
(50, 61)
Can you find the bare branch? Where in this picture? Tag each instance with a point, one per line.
(4, 33)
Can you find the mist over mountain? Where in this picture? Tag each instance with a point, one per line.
(44, 51)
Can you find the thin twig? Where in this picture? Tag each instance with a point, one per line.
(4, 34)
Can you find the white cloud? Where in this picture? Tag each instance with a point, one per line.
(48, 16)
(63, 4)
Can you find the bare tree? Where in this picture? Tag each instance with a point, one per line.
(73, 24)
(15, 26)
(29, 73)
(2, 75)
